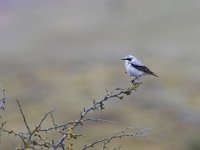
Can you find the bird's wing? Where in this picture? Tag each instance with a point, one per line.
(143, 68)
(137, 62)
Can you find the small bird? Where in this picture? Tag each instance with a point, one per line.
(135, 68)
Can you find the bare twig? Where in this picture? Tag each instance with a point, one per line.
(117, 93)
(20, 135)
(53, 120)
(3, 100)
(23, 116)
(117, 148)
(118, 135)
(26, 138)
(45, 116)
(64, 126)
(36, 138)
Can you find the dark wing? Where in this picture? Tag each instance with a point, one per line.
(144, 69)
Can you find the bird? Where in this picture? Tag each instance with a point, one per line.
(135, 68)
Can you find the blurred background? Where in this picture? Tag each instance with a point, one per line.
(61, 54)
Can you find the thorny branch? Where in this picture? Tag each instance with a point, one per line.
(27, 137)
(117, 93)
(64, 126)
(35, 138)
(118, 135)
(3, 100)
(23, 116)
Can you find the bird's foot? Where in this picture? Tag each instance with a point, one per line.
(136, 81)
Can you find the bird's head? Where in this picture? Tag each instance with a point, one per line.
(129, 58)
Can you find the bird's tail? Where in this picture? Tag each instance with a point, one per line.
(154, 74)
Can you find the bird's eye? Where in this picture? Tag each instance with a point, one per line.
(129, 59)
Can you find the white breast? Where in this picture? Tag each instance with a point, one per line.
(132, 71)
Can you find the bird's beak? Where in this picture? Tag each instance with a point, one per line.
(123, 59)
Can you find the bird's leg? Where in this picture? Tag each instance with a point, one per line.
(136, 81)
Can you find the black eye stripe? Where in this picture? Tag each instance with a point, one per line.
(129, 59)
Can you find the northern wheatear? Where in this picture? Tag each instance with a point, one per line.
(135, 68)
